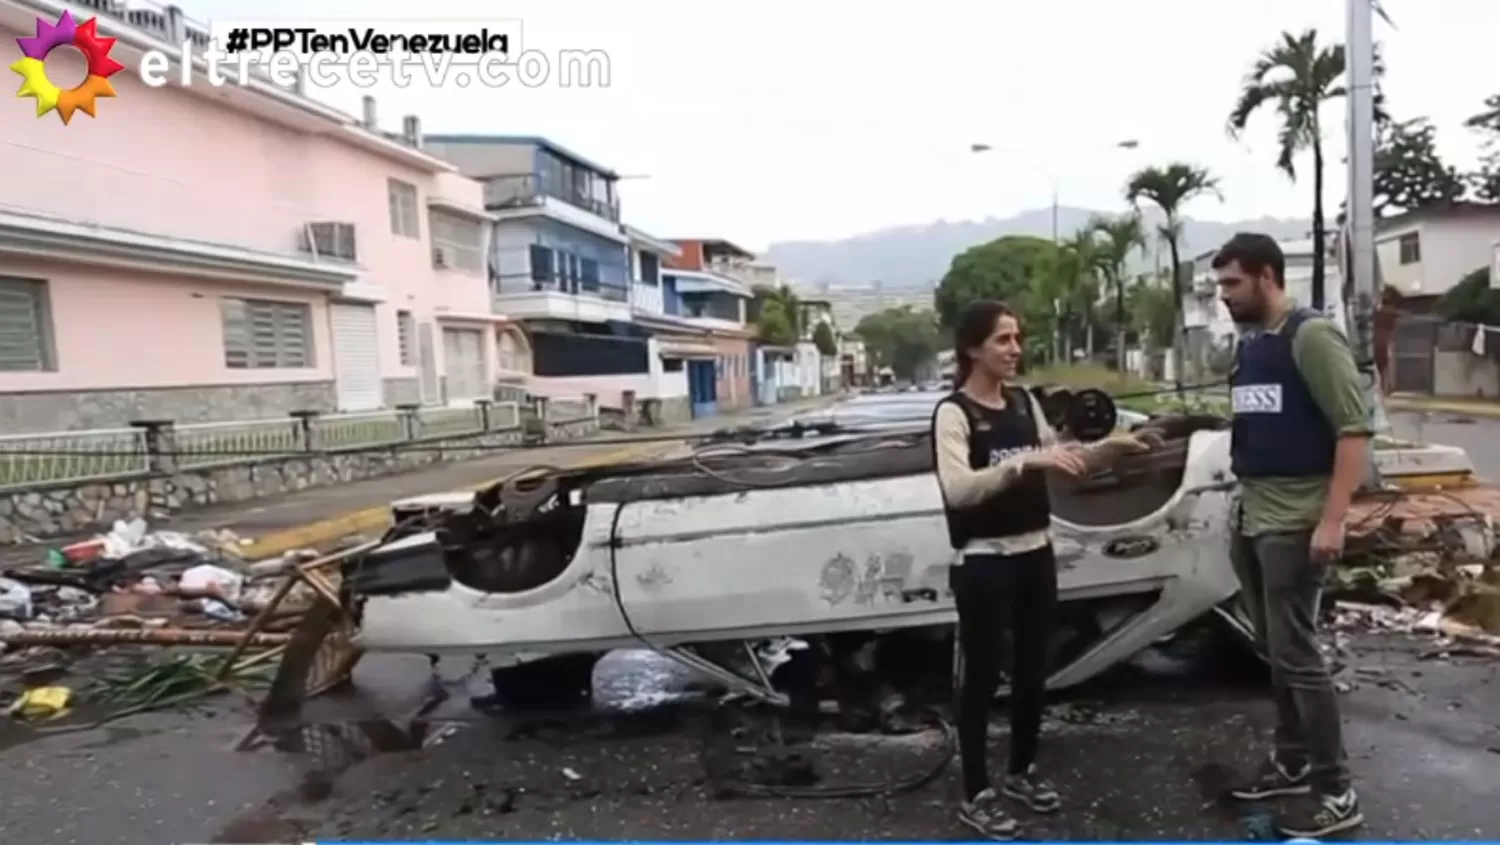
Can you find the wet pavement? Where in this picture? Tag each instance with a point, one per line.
(1479, 436)
(1139, 755)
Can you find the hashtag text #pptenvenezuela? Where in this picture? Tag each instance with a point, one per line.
(366, 40)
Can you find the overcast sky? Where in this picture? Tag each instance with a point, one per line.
(782, 120)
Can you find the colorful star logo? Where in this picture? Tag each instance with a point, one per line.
(33, 70)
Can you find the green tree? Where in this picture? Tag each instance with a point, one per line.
(1169, 188)
(1004, 269)
(1471, 300)
(1486, 180)
(1079, 257)
(1409, 173)
(822, 337)
(903, 339)
(1115, 239)
(1296, 75)
(776, 315)
(1153, 311)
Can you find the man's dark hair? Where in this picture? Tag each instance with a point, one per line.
(1255, 253)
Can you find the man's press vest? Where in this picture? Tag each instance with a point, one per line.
(995, 435)
(1279, 430)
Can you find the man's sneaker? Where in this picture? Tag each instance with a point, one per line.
(1273, 779)
(988, 818)
(1032, 791)
(1322, 815)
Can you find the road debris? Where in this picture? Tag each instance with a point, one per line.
(122, 596)
(40, 703)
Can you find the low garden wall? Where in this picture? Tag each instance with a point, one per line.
(68, 482)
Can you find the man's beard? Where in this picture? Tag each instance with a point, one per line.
(1249, 314)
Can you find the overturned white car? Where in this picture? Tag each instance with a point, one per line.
(840, 533)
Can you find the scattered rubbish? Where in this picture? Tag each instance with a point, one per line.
(41, 703)
(571, 775)
(15, 600)
(109, 601)
(145, 636)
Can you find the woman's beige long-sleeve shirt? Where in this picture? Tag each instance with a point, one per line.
(964, 486)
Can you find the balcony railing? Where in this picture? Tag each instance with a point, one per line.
(646, 298)
(526, 190)
(515, 285)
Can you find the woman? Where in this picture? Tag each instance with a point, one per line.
(993, 445)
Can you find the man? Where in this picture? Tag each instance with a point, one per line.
(1300, 450)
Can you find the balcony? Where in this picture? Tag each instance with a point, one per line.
(527, 191)
(524, 298)
(646, 299)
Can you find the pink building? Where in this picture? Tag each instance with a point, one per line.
(230, 253)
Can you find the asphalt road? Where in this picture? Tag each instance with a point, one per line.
(1138, 755)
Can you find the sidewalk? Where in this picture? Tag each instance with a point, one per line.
(318, 517)
(1417, 402)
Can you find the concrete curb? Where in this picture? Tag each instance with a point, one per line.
(1473, 409)
(378, 517)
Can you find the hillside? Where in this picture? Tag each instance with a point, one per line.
(919, 255)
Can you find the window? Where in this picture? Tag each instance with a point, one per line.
(671, 365)
(588, 273)
(461, 240)
(541, 265)
(25, 327)
(1411, 248)
(260, 334)
(403, 201)
(405, 328)
(650, 268)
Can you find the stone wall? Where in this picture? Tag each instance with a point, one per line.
(401, 391)
(40, 411)
(61, 509)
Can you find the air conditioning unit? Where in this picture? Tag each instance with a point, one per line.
(442, 257)
(330, 240)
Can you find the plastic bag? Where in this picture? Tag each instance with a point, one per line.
(15, 600)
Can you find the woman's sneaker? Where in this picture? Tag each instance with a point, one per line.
(1272, 780)
(1318, 816)
(1032, 791)
(988, 818)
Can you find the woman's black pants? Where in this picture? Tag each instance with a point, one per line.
(995, 595)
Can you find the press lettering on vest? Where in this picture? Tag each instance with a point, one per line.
(998, 456)
(1279, 431)
(1256, 399)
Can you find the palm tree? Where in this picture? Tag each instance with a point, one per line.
(1082, 263)
(1297, 75)
(1115, 239)
(1169, 188)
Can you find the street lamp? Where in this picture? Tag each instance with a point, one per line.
(1126, 144)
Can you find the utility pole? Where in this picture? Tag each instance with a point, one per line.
(1361, 246)
(1363, 281)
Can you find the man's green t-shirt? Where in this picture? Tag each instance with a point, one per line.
(1327, 366)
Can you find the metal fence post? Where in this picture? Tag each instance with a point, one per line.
(411, 422)
(307, 432)
(161, 445)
